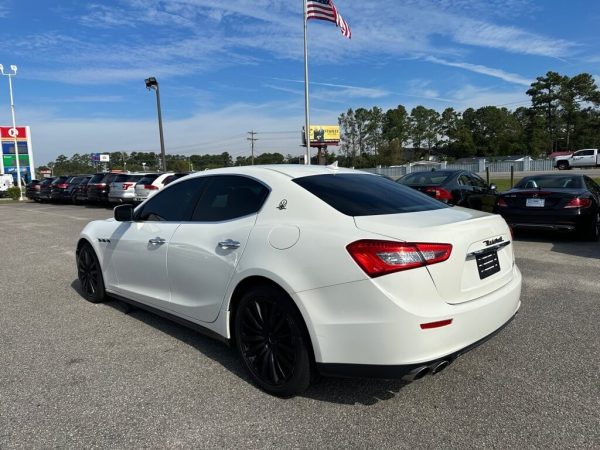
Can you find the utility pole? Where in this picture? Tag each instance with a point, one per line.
(252, 139)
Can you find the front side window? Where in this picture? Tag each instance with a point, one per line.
(478, 182)
(174, 203)
(229, 197)
(366, 195)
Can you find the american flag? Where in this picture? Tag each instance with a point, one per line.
(326, 10)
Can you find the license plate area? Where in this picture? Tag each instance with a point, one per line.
(487, 264)
(535, 202)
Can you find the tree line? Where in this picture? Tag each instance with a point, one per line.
(564, 115)
(150, 161)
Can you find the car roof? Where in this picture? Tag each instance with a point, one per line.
(287, 170)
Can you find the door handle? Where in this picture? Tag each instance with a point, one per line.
(157, 241)
(229, 244)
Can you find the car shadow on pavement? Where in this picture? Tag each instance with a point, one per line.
(347, 391)
(565, 243)
(352, 391)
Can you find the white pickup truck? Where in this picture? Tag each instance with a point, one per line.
(588, 157)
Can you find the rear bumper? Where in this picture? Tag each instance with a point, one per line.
(360, 325)
(406, 371)
(553, 222)
(126, 198)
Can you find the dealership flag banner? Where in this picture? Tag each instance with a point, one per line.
(320, 10)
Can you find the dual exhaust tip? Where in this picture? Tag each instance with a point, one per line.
(421, 371)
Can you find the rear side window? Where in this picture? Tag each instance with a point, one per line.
(425, 178)
(366, 195)
(228, 197)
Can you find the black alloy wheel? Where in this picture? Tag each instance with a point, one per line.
(272, 342)
(89, 273)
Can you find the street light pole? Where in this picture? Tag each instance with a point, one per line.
(152, 84)
(14, 131)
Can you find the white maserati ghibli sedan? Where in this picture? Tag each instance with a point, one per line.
(310, 270)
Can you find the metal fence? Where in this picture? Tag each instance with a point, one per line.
(526, 165)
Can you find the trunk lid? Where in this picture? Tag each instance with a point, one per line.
(480, 243)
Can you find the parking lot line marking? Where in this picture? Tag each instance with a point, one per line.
(87, 219)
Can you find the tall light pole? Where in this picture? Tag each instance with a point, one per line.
(14, 131)
(152, 84)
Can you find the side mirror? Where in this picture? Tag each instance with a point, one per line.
(493, 187)
(124, 213)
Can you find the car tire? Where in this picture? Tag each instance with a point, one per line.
(272, 342)
(89, 273)
(562, 165)
(592, 230)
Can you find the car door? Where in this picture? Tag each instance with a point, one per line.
(464, 191)
(584, 158)
(140, 248)
(204, 253)
(482, 198)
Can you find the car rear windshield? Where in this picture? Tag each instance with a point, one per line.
(366, 195)
(426, 178)
(148, 179)
(550, 182)
(126, 177)
(97, 178)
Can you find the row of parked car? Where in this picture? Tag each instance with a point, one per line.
(100, 188)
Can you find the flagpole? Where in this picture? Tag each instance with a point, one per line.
(306, 113)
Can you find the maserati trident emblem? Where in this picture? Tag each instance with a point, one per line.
(493, 241)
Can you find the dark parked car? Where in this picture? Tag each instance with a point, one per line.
(32, 191)
(455, 187)
(99, 187)
(553, 202)
(79, 192)
(46, 188)
(63, 191)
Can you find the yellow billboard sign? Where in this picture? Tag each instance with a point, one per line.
(323, 135)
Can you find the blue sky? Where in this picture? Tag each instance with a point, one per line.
(229, 67)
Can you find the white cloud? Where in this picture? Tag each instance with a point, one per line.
(470, 96)
(477, 68)
(191, 36)
(511, 39)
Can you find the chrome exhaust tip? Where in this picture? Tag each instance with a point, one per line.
(416, 374)
(439, 367)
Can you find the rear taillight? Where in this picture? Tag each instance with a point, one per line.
(439, 193)
(127, 185)
(150, 187)
(62, 186)
(501, 202)
(579, 203)
(378, 258)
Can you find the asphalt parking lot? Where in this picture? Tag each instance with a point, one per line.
(78, 375)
